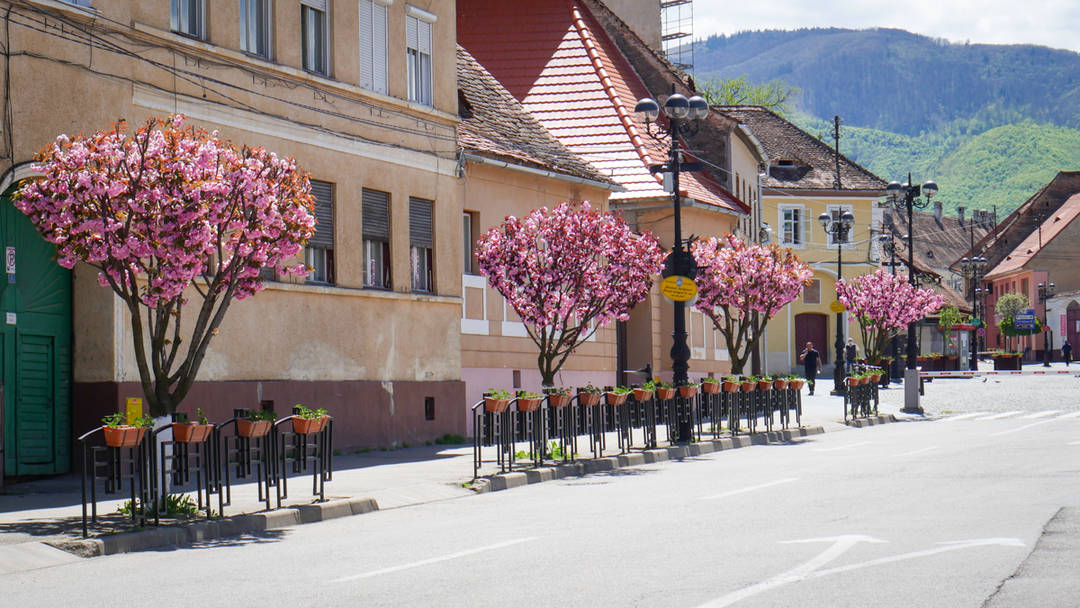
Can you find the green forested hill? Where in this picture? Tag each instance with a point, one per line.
(990, 123)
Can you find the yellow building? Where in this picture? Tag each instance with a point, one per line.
(801, 184)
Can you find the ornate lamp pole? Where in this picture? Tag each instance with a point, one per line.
(909, 197)
(972, 270)
(1046, 291)
(888, 245)
(839, 229)
(684, 116)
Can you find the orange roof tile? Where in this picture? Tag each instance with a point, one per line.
(1029, 247)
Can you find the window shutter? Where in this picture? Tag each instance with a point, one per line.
(378, 47)
(423, 36)
(367, 44)
(804, 222)
(376, 209)
(324, 213)
(420, 222)
(411, 33)
(316, 4)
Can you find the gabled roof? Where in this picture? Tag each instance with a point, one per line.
(493, 124)
(561, 65)
(1030, 247)
(812, 163)
(939, 244)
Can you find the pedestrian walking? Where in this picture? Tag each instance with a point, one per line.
(810, 359)
(1066, 352)
(851, 353)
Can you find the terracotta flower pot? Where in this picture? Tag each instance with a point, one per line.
(731, 387)
(588, 399)
(797, 384)
(556, 400)
(641, 394)
(852, 381)
(664, 394)
(529, 405)
(309, 426)
(710, 387)
(748, 387)
(252, 428)
(124, 436)
(780, 384)
(495, 405)
(864, 379)
(613, 398)
(764, 385)
(191, 433)
(687, 391)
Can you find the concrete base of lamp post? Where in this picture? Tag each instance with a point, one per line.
(911, 392)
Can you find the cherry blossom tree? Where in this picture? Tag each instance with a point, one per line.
(741, 287)
(567, 272)
(883, 305)
(169, 213)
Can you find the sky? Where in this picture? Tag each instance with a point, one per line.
(1053, 23)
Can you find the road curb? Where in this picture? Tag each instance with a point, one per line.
(204, 530)
(859, 423)
(517, 479)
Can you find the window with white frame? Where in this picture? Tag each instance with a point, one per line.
(319, 253)
(315, 36)
(469, 223)
(421, 243)
(835, 211)
(376, 238)
(794, 226)
(418, 54)
(188, 17)
(373, 45)
(255, 27)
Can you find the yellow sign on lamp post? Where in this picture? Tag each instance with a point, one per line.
(679, 289)
(837, 307)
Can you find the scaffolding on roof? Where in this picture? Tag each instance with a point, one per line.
(677, 32)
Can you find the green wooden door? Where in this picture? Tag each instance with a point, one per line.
(36, 360)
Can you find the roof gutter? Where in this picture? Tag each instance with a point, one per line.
(483, 160)
(685, 202)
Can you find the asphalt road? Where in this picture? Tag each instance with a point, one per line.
(927, 513)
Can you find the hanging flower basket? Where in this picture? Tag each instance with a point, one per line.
(252, 428)
(852, 381)
(796, 384)
(557, 400)
(641, 394)
(730, 386)
(687, 391)
(780, 384)
(864, 379)
(614, 398)
(710, 387)
(309, 426)
(748, 386)
(588, 399)
(191, 433)
(664, 394)
(764, 385)
(124, 436)
(529, 405)
(495, 405)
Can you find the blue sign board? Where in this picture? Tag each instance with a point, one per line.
(1025, 320)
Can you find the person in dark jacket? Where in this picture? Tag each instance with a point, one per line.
(1066, 352)
(851, 353)
(810, 359)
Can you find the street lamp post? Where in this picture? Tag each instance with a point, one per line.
(839, 229)
(972, 270)
(684, 116)
(1046, 291)
(889, 245)
(909, 197)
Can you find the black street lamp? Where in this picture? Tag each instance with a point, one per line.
(909, 197)
(684, 116)
(888, 245)
(839, 229)
(1045, 293)
(972, 270)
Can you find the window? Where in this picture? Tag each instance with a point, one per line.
(376, 230)
(319, 255)
(420, 243)
(812, 292)
(373, 45)
(314, 36)
(418, 54)
(255, 27)
(794, 227)
(187, 17)
(836, 211)
(469, 222)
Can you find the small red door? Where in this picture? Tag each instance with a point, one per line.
(812, 327)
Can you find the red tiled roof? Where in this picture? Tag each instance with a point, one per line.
(564, 69)
(1029, 247)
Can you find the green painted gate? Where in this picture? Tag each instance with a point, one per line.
(35, 350)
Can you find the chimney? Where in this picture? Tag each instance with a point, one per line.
(983, 217)
(960, 214)
(938, 211)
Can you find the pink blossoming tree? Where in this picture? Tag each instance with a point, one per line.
(169, 213)
(883, 305)
(741, 287)
(567, 272)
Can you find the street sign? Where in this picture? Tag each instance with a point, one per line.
(981, 331)
(837, 307)
(1024, 320)
(963, 327)
(678, 288)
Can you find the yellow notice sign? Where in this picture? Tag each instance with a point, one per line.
(837, 307)
(679, 289)
(134, 409)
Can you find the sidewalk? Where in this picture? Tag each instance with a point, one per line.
(49, 510)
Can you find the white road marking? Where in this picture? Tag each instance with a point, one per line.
(1040, 414)
(1000, 416)
(963, 416)
(1021, 428)
(922, 451)
(751, 488)
(433, 560)
(842, 447)
(1075, 443)
(1067, 416)
(840, 545)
